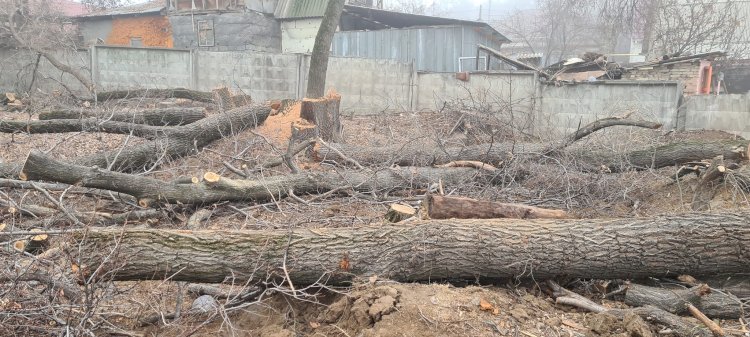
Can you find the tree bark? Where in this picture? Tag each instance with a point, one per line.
(316, 79)
(91, 124)
(176, 142)
(156, 117)
(213, 188)
(714, 304)
(200, 96)
(442, 207)
(494, 154)
(696, 244)
(324, 113)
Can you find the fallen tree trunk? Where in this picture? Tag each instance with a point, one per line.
(495, 154)
(213, 187)
(442, 207)
(194, 95)
(175, 142)
(696, 244)
(420, 154)
(713, 304)
(156, 117)
(91, 124)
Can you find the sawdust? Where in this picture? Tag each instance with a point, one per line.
(278, 127)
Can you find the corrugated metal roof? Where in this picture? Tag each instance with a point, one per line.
(300, 9)
(150, 7)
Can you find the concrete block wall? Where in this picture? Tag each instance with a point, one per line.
(127, 68)
(518, 88)
(564, 108)
(371, 86)
(726, 112)
(264, 76)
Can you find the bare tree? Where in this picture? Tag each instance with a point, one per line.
(99, 4)
(43, 30)
(316, 82)
(695, 26)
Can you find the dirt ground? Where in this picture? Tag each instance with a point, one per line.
(372, 307)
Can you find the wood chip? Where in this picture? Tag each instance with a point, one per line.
(573, 324)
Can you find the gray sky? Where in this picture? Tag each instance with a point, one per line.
(469, 9)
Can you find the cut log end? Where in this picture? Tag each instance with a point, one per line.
(211, 177)
(399, 212)
(145, 202)
(195, 180)
(19, 245)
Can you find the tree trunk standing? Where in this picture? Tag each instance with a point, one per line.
(316, 79)
(696, 244)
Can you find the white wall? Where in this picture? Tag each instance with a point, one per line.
(298, 36)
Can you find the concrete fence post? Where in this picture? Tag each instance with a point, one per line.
(193, 69)
(94, 66)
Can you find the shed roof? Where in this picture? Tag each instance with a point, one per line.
(300, 9)
(148, 8)
(368, 18)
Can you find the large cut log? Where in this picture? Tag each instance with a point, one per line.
(156, 117)
(194, 95)
(714, 304)
(696, 244)
(432, 154)
(91, 124)
(213, 187)
(442, 207)
(175, 142)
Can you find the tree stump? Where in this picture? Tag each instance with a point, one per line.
(324, 113)
(399, 212)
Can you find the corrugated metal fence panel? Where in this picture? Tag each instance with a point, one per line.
(435, 49)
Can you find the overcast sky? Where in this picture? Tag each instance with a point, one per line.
(463, 9)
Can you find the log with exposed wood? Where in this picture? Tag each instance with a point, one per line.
(399, 212)
(697, 244)
(446, 207)
(175, 142)
(213, 187)
(156, 117)
(194, 95)
(324, 114)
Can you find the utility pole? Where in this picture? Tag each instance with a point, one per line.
(480, 13)
(489, 10)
